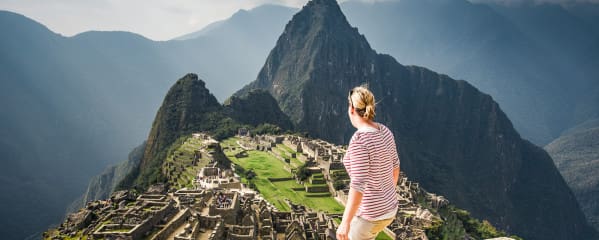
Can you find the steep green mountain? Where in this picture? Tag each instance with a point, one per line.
(452, 138)
(576, 155)
(189, 107)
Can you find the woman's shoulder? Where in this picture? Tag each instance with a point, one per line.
(383, 128)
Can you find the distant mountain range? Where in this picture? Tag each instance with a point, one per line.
(73, 105)
(83, 102)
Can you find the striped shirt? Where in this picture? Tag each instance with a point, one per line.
(369, 161)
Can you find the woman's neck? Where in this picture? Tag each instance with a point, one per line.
(362, 123)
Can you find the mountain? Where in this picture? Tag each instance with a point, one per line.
(571, 42)
(189, 107)
(256, 108)
(522, 55)
(84, 102)
(232, 50)
(52, 135)
(576, 155)
(265, 21)
(453, 139)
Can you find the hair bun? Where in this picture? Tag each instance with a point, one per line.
(363, 101)
(369, 113)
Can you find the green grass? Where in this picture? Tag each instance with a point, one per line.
(267, 166)
(286, 148)
(383, 236)
(282, 153)
(231, 142)
(283, 190)
(294, 161)
(263, 164)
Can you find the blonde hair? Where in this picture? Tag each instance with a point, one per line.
(361, 99)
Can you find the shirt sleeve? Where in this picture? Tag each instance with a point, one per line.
(359, 166)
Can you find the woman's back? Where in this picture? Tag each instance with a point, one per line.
(370, 160)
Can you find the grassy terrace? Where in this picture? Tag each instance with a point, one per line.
(181, 160)
(265, 165)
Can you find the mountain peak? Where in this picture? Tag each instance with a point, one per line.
(185, 109)
(317, 39)
(319, 16)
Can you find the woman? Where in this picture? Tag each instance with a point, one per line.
(372, 163)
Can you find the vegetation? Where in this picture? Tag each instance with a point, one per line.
(265, 166)
(458, 223)
(302, 172)
(189, 107)
(182, 156)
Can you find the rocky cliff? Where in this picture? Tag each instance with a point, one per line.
(453, 139)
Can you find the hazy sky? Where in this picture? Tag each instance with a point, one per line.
(154, 19)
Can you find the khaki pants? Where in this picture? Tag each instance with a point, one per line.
(362, 229)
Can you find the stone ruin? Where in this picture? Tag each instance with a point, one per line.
(219, 210)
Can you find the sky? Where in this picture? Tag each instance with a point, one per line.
(154, 19)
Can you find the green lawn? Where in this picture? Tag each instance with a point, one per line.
(287, 149)
(294, 161)
(263, 164)
(267, 166)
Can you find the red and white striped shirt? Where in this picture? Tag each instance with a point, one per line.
(369, 161)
